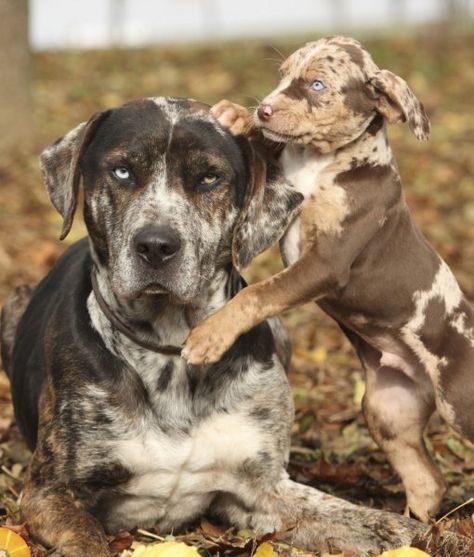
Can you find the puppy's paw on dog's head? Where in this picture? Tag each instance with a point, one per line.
(232, 116)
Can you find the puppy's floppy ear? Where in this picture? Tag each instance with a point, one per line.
(269, 205)
(60, 166)
(397, 102)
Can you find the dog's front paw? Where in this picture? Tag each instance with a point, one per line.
(233, 116)
(208, 341)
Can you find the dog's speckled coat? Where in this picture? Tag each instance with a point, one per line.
(124, 436)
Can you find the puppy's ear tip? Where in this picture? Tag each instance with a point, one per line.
(423, 133)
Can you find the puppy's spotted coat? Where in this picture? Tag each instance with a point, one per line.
(356, 250)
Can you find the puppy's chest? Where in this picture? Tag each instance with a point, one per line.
(305, 169)
(325, 206)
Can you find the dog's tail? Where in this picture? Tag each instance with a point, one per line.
(13, 310)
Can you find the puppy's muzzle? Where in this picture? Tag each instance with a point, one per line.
(157, 245)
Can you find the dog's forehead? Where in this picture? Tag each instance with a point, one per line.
(149, 123)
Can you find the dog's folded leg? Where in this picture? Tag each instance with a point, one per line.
(316, 521)
(56, 518)
(324, 520)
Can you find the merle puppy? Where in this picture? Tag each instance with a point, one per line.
(124, 432)
(357, 251)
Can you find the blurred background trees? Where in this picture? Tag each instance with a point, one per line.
(16, 103)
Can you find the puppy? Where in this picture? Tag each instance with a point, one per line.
(356, 251)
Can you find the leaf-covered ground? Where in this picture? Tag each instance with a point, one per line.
(331, 445)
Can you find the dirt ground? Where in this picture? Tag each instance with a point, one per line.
(332, 449)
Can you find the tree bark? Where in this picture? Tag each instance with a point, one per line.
(16, 106)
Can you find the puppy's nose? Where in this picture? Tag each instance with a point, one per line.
(265, 111)
(157, 244)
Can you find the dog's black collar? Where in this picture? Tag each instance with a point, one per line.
(115, 320)
(235, 284)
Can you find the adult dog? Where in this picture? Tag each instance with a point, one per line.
(124, 432)
(358, 253)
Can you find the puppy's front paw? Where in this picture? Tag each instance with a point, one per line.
(233, 116)
(208, 341)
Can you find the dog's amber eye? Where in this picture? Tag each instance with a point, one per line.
(209, 180)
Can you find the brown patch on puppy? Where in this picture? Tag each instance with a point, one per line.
(356, 96)
(355, 53)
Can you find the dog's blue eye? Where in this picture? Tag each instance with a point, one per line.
(121, 172)
(317, 85)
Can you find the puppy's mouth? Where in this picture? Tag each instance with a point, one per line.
(277, 136)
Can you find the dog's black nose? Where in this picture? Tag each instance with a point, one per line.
(157, 244)
(265, 111)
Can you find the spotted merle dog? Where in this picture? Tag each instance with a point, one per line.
(124, 432)
(357, 252)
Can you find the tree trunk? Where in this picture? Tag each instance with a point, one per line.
(16, 106)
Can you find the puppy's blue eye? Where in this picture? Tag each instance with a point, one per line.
(317, 85)
(121, 172)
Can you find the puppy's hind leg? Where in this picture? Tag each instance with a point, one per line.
(397, 410)
(455, 382)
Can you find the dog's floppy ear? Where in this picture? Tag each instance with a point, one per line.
(269, 205)
(60, 166)
(397, 102)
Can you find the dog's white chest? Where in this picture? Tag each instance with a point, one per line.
(176, 474)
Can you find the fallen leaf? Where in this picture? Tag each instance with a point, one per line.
(166, 549)
(264, 550)
(404, 552)
(13, 544)
(120, 542)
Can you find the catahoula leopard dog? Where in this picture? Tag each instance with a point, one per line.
(356, 250)
(125, 433)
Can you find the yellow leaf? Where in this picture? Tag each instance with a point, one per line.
(264, 550)
(166, 549)
(320, 355)
(359, 390)
(12, 543)
(404, 552)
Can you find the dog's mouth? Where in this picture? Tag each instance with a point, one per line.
(154, 289)
(157, 291)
